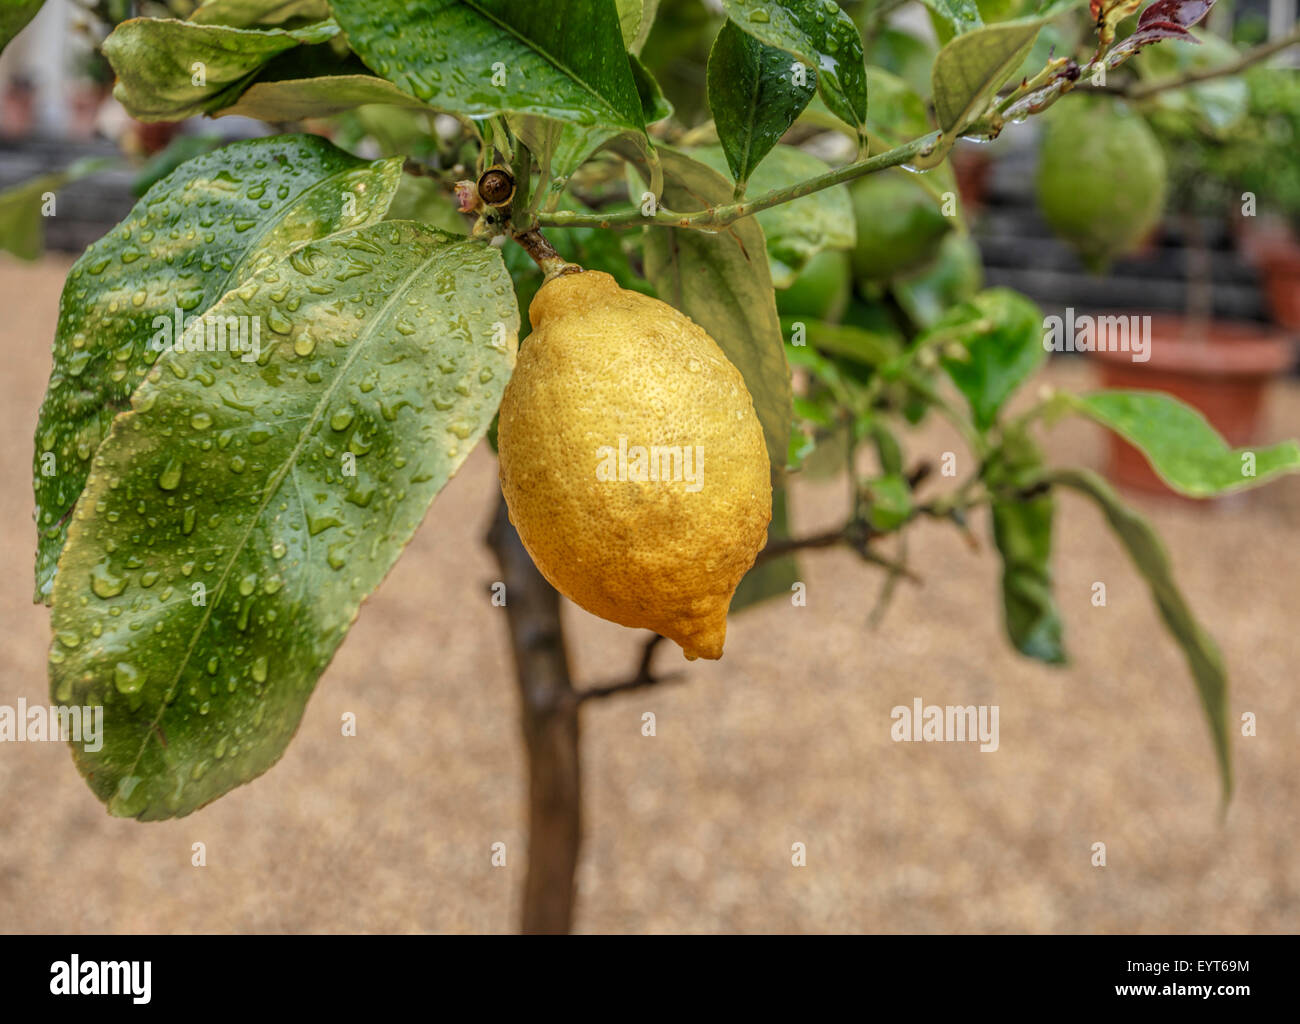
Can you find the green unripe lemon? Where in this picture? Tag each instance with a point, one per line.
(822, 289)
(900, 224)
(1101, 177)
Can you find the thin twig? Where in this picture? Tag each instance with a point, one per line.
(1252, 56)
(714, 218)
(642, 678)
(788, 545)
(1140, 90)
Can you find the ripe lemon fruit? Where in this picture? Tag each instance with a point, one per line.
(1101, 178)
(632, 461)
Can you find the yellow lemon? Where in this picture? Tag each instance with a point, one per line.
(632, 461)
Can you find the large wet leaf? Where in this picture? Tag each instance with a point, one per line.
(722, 282)
(240, 512)
(1185, 451)
(1151, 560)
(795, 231)
(193, 236)
(563, 59)
(755, 96)
(820, 34)
(170, 70)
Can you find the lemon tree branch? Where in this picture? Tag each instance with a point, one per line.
(714, 218)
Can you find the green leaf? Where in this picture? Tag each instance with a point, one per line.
(247, 13)
(650, 10)
(14, 16)
(297, 99)
(564, 59)
(316, 81)
(1185, 451)
(821, 35)
(195, 235)
(897, 113)
(654, 104)
(888, 450)
(771, 577)
(1001, 332)
(754, 97)
(795, 231)
(890, 502)
(391, 343)
(962, 15)
(635, 20)
(1022, 531)
(558, 148)
(722, 282)
(1151, 560)
(857, 344)
(171, 70)
(970, 70)
(22, 222)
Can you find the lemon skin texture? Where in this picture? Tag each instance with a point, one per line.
(608, 369)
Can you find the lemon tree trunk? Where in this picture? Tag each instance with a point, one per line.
(549, 716)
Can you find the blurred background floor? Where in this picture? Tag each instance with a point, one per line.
(786, 740)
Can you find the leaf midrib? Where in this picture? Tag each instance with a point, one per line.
(556, 62)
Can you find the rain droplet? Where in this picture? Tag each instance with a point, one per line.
(127, 678)
(170, 478)
(104, 583)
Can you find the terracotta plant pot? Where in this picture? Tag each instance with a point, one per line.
(148, 138)
(1225, 376)
(972, 167)
(1280, 267)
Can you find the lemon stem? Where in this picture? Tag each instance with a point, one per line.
(544, 255)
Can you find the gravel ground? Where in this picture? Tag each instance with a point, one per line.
(784, 741)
